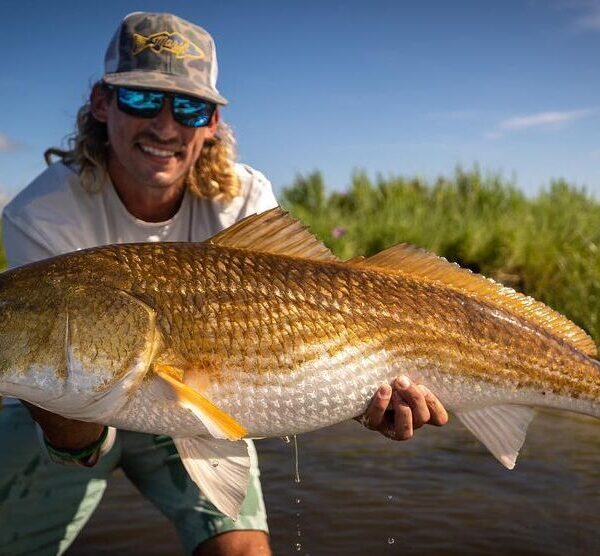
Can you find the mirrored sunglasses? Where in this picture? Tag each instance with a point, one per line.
(143, 103)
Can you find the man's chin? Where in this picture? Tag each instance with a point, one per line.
(164, 181)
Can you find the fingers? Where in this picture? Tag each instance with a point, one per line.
(397, 411)
(439, 415)
(414, 397)
(403, 419)
(374, 417)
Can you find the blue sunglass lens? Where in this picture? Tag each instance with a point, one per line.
(144, 104)
(188, 111)
(192, 112)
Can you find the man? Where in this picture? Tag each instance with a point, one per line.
(151, 161)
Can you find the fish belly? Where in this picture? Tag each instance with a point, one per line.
(320, 393)
(325, 391)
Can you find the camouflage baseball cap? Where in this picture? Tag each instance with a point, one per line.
(163, 52)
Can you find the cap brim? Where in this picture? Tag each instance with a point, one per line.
(163, 82)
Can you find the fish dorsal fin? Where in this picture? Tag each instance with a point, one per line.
(412, 260)
(275, 232)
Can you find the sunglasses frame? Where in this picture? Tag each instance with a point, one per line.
(178, 117)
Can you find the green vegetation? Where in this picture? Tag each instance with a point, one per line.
(547, 246)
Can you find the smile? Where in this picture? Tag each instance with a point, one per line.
(157, 152)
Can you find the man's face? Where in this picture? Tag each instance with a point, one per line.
(155, 153)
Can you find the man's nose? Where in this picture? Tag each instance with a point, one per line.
(163, 123)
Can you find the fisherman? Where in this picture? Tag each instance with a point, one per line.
(151, 160)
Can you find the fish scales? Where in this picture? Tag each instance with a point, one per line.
(237, 338)
(230, 298)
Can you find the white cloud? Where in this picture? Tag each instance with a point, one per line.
(6, 143)
(585, 13)
(544, 119)
(492, 135)
(589, 21)
(4, 197)
(539, 120)
(589, 14)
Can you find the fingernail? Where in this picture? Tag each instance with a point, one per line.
(385, 390)
(403, 381)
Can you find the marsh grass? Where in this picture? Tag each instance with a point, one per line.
(546, 246)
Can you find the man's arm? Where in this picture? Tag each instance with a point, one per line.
(63, 433)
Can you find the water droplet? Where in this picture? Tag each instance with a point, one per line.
(297, 514)
(214, 462)
(298, 547)
(297, 472)
(299, 533)
(391, 540)
(390, 496)
(298, 500)
(286, 439)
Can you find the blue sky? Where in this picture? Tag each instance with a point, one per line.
(391, 87)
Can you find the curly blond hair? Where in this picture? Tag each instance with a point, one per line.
(213, 175)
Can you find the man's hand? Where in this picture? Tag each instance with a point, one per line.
(65, 433)
(397, 411)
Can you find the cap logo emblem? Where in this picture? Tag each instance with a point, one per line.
(171, 42)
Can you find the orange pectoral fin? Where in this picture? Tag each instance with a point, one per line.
(219, 423)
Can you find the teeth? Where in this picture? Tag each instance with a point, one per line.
(157, 152)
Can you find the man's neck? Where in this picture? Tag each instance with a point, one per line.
(151, 205)
(148, 203)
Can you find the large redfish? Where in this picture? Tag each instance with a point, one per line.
(260, 331)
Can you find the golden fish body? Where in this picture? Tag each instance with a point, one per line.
(262, 326)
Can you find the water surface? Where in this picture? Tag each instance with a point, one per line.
(441, 493)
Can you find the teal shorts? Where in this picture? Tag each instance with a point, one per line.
(44, 505)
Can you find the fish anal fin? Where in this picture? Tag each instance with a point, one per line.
(220, 469)
(501, 428)
(414, 261)
(276, 232)
(219, 423)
